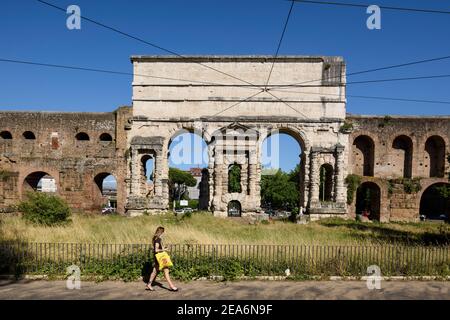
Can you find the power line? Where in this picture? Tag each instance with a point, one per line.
(276, 97)
(366, 97)
(400, 79)
(279, 43)
(117, 72)
(372, 70)
(235, 104)
(146, 42)
(360, 5)
(240, 86)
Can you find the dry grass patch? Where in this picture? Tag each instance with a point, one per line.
(203, 228)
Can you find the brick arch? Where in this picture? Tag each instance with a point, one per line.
(94, 180)
(435, 170)
(47, 170)
(395, 143)
(375, 201)
(425, 184)
(431, 203)
(368, 169)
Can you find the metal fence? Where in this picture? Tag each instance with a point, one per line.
(251, 260)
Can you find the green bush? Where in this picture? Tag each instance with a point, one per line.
(353, 181)
(43, 208)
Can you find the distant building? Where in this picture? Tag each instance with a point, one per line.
(48, 184)
(194, 192)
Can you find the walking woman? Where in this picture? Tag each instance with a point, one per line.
(158, 247)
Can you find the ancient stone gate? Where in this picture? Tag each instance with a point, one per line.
(234, 118)
(399, 162)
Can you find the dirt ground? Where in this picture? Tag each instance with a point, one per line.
(241, 290)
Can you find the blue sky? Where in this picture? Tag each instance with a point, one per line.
(32, 31)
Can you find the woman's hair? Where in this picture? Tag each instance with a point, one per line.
(159, 231)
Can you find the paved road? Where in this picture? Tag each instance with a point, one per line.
(251, 290)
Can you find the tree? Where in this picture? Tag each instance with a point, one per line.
(279, 190)
(234, 179)
(179, 180)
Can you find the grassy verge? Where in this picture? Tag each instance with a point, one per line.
(203, 228)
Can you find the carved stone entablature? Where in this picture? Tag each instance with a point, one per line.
(155, 143)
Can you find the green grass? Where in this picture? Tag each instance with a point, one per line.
(203, 228)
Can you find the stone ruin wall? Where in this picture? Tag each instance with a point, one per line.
(78, 166)
(411, 147)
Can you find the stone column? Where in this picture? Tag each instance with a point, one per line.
(252, 162)
(211, 172)
(314, 176)
(339, 194)
(160, 173)
(218, 179)
(135, 173)
(304, 177)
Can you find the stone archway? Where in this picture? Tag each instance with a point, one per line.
(234, 208)
(435, 156)
(39, 181)
(298, 137)
(368, 200)
(105, 193)
(364, 155)
(435, 202)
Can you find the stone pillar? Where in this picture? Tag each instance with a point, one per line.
(135, 173)
(252, 162)
(211, 172)
(339, 194)
(314, 177)
(218, 179)
(304, 178)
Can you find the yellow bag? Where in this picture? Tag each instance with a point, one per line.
(163, 260)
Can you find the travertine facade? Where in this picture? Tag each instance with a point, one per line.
(398, 160)
(234, 118)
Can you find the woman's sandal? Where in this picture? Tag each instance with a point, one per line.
(173, 289)
(147, 288)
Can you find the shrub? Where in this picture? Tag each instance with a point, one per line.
(353, 181)
(347, 127)
(43, 208)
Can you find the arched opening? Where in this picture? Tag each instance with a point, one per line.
(364, 156)
(28, 135)
(188, 170)
(435, 156)
(39, 181)
(107, 190)
(82, 136)
(234, 208)
(403, 147)
(234, 179)
(148, 168)
(326, 182)
(105, 137)
(435, 202)
(368, 201)
(6, 135)
(282, 174)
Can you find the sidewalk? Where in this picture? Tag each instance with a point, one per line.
(208, 290)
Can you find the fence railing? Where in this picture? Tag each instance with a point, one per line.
(207, 260)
